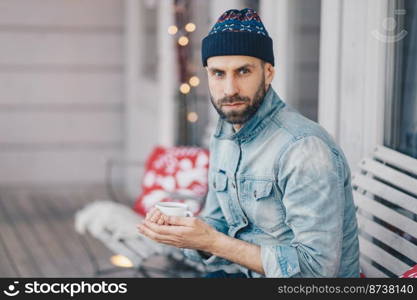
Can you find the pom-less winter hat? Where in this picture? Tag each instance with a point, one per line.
(238, 32)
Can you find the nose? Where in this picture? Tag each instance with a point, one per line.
(231, 87)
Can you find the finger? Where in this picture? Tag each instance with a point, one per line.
(143, 229)
(150, 213)
(160, 238)
(155, 217)
(181, 221)
(164, 218)
(161, 220)
(148, 232)
(163, 229)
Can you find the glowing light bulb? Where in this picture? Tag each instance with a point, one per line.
(194, 81)
(121, 261)
(172, 29)
(190, 27)
(192, 117)
(185, 88)
(183, 41)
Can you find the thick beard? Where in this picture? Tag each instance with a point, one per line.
(241, 117)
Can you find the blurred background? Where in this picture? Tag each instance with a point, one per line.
(88, 84)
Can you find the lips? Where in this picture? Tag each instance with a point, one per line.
(234, 104)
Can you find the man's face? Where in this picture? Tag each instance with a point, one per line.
(237, 86)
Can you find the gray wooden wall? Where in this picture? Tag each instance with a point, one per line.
(60, 90)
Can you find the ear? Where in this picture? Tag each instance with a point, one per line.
(269, 72)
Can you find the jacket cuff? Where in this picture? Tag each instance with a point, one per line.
(279, 261)
(212, 260)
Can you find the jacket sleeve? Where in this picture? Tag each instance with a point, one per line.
(311, 178)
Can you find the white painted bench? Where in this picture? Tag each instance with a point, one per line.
(385, 193)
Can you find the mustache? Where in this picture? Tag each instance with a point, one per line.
(233, 99)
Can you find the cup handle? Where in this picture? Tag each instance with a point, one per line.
(189, 214)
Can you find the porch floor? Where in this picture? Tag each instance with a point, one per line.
(38, 239)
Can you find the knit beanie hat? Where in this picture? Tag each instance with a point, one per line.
(238, 32)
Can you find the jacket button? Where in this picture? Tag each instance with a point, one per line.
(254, 194)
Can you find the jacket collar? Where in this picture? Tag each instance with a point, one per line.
(270, 105)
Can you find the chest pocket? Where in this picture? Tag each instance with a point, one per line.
(261, 190)
(220, 182)
(263, 205)
(220, 185)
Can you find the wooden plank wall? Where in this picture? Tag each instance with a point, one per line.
(61, 86)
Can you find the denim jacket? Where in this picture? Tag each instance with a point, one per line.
(280, 182)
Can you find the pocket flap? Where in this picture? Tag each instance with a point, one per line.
(261, 190)
(220, 182)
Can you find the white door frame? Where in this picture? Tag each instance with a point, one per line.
(150, 111)
(278, 17)
(337, 37)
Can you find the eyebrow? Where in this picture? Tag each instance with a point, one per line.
(214, 69)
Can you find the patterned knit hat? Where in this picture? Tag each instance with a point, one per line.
(238, 32)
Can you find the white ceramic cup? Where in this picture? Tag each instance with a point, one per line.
(174, 209)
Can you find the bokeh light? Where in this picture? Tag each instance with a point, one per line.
(183, 41)
(185, 88)
(192, 117)
(172, 29)
(190, 27)
(194, 81)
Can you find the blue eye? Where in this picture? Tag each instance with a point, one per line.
(218, 74)
(243, 71)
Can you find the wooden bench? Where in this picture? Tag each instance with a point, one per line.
(385, 194)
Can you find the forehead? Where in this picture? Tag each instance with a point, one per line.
(231, 62)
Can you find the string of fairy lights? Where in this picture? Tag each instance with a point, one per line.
(193, 81)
